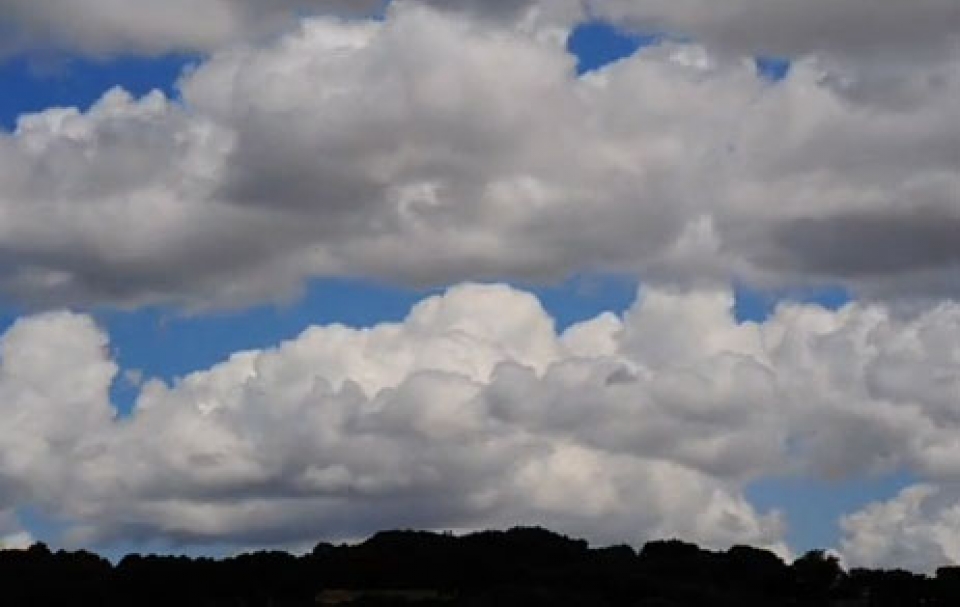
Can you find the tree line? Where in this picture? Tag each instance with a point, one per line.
(522, 566)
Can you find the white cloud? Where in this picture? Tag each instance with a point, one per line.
(919, 530)
(474, 412)
(53, 379)
(340, 432)
(364, 148)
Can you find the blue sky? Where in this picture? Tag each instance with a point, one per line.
(166, 342)
(33, 84)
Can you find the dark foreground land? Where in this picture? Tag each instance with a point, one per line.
(526, 567)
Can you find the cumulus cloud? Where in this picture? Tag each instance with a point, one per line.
(919, 530)
(475, 412)
(364, 147)
(341, 431)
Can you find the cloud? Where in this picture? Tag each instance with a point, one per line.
(341, 432)
(787, 29)
(362, 148)
(855, 29)
(910, 242)
(475, 412)
(102, 28)
(152, 27)
(877, 55)
(916, 530)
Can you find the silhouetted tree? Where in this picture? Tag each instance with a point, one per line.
(817, 574)
(522, 566)
(947, 586)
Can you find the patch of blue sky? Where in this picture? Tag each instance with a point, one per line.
(32, 83)
(8, 316)
(773, 69)
(585, 296)
(757, 305)
(814, 508)
(597, 44)
(41, 527)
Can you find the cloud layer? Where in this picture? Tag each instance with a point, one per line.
(474, 412)
(777, 27)
(364, 147)
(154, 27)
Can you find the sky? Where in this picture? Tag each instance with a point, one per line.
(631, 270)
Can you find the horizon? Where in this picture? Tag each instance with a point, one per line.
(410, 534)
(520, 566)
